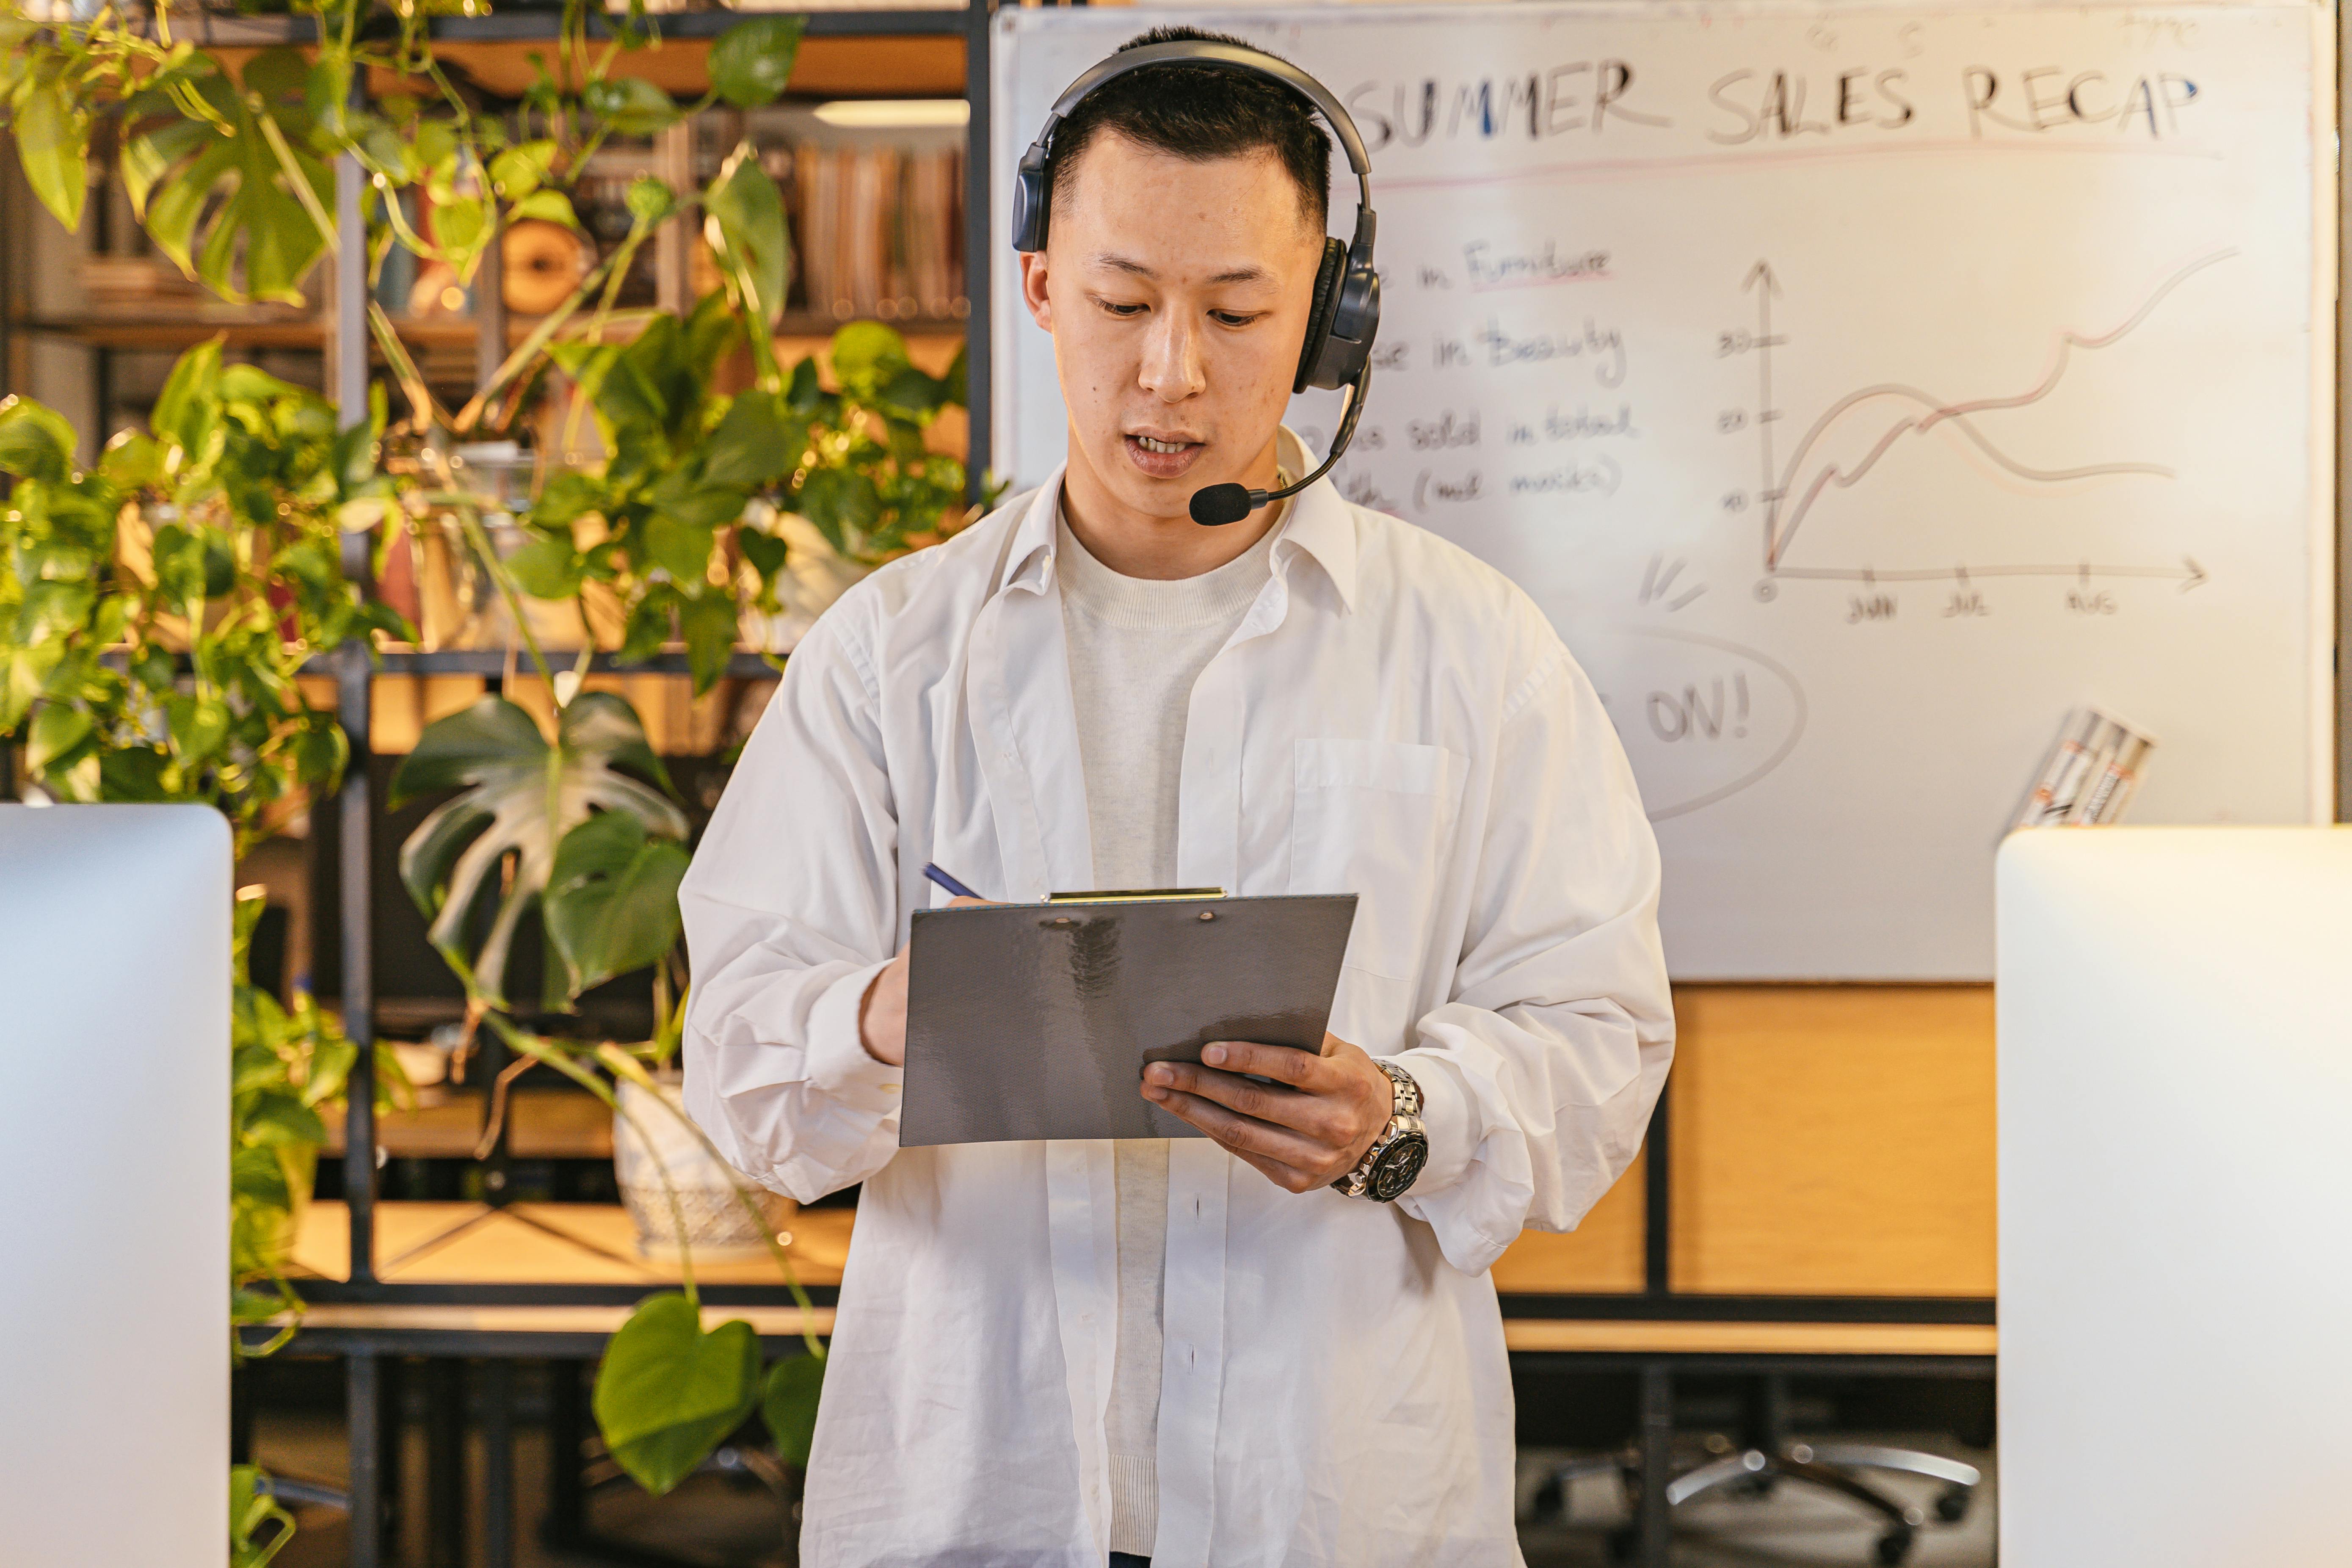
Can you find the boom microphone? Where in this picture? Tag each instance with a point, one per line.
(1220, 504)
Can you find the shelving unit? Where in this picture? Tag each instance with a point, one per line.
(907, 53)
(934, 52)
(877, 54)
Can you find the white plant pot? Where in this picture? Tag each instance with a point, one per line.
(718, 1226)
(815, 575)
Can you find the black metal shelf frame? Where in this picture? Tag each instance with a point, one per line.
(533, 24)
(742, 665)
(367, 1351)
(351, 666)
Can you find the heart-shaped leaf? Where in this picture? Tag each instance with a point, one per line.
(58, 731)
(844, 506)
(668, 1393)
(36, 441)
(680, 546)
(612, 899)
(710, 624)
(630, 106)
(649, 200)
(547, 566)
(53, 143)
(865, 356)
(751, 61)
(788, 1405)
(747, 230)
(758, 441)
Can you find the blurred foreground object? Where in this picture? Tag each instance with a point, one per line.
(2176, 1254)
(114, 1302)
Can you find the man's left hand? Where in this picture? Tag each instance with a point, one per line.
(1303, 1131)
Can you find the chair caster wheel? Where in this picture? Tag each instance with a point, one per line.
(1893, 1546)
(1953, 1506)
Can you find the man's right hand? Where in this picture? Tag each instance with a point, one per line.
(882, 1015)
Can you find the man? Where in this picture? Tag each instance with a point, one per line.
(1194, 1351)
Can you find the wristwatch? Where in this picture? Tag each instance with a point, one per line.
(1397, 1155)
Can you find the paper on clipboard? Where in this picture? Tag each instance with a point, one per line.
(1035, 1021)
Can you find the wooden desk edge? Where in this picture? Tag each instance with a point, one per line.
(1643, 1338)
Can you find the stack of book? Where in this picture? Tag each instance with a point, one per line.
(877, 231)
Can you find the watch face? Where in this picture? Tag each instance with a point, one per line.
(1400, 1163)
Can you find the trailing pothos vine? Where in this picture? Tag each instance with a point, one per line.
(158, 608)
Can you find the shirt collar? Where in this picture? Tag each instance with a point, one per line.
(1321, 525)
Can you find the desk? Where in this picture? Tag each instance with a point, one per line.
(552, 1282)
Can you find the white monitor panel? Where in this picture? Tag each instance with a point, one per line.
(114, 1069)
(2175, 1196)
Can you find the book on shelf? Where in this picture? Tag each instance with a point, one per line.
(877, 230)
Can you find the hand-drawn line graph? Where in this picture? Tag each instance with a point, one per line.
(1790, 491)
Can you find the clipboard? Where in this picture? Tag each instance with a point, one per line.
(1035, 1021)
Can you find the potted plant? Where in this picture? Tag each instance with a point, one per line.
(159, 607)
(579, 822)
(163, 601)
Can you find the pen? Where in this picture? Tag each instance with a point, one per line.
(950, 883)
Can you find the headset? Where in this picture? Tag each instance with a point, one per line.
(1345, 314)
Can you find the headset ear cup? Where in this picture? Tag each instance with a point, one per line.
(1321, 311)
(1029, 205)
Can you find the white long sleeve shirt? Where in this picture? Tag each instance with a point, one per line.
(1390, 718)
(1136, 648)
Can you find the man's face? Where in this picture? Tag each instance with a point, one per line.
(1177, 293)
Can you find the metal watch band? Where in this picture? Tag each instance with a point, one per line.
(1405, 1121)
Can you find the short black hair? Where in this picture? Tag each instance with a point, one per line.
(1200, 112)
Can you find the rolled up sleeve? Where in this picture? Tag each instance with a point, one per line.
(1540, 1072)
(791, 908)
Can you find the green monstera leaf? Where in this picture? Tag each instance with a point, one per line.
(215, 195)
(668, 1393)
(522, 799)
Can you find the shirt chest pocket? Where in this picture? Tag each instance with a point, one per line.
(1373, 819)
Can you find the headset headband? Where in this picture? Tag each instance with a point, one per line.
(1220, 57)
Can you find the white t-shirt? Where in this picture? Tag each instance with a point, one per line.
(1137, 645)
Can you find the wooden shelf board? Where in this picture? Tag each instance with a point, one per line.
(798, 334)
(542, 1124)
(902, 65)
(768, 1322)
(545, 1244)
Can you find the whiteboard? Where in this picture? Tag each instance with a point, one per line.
(1858, 390)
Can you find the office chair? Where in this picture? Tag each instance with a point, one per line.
(1765, 1455)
